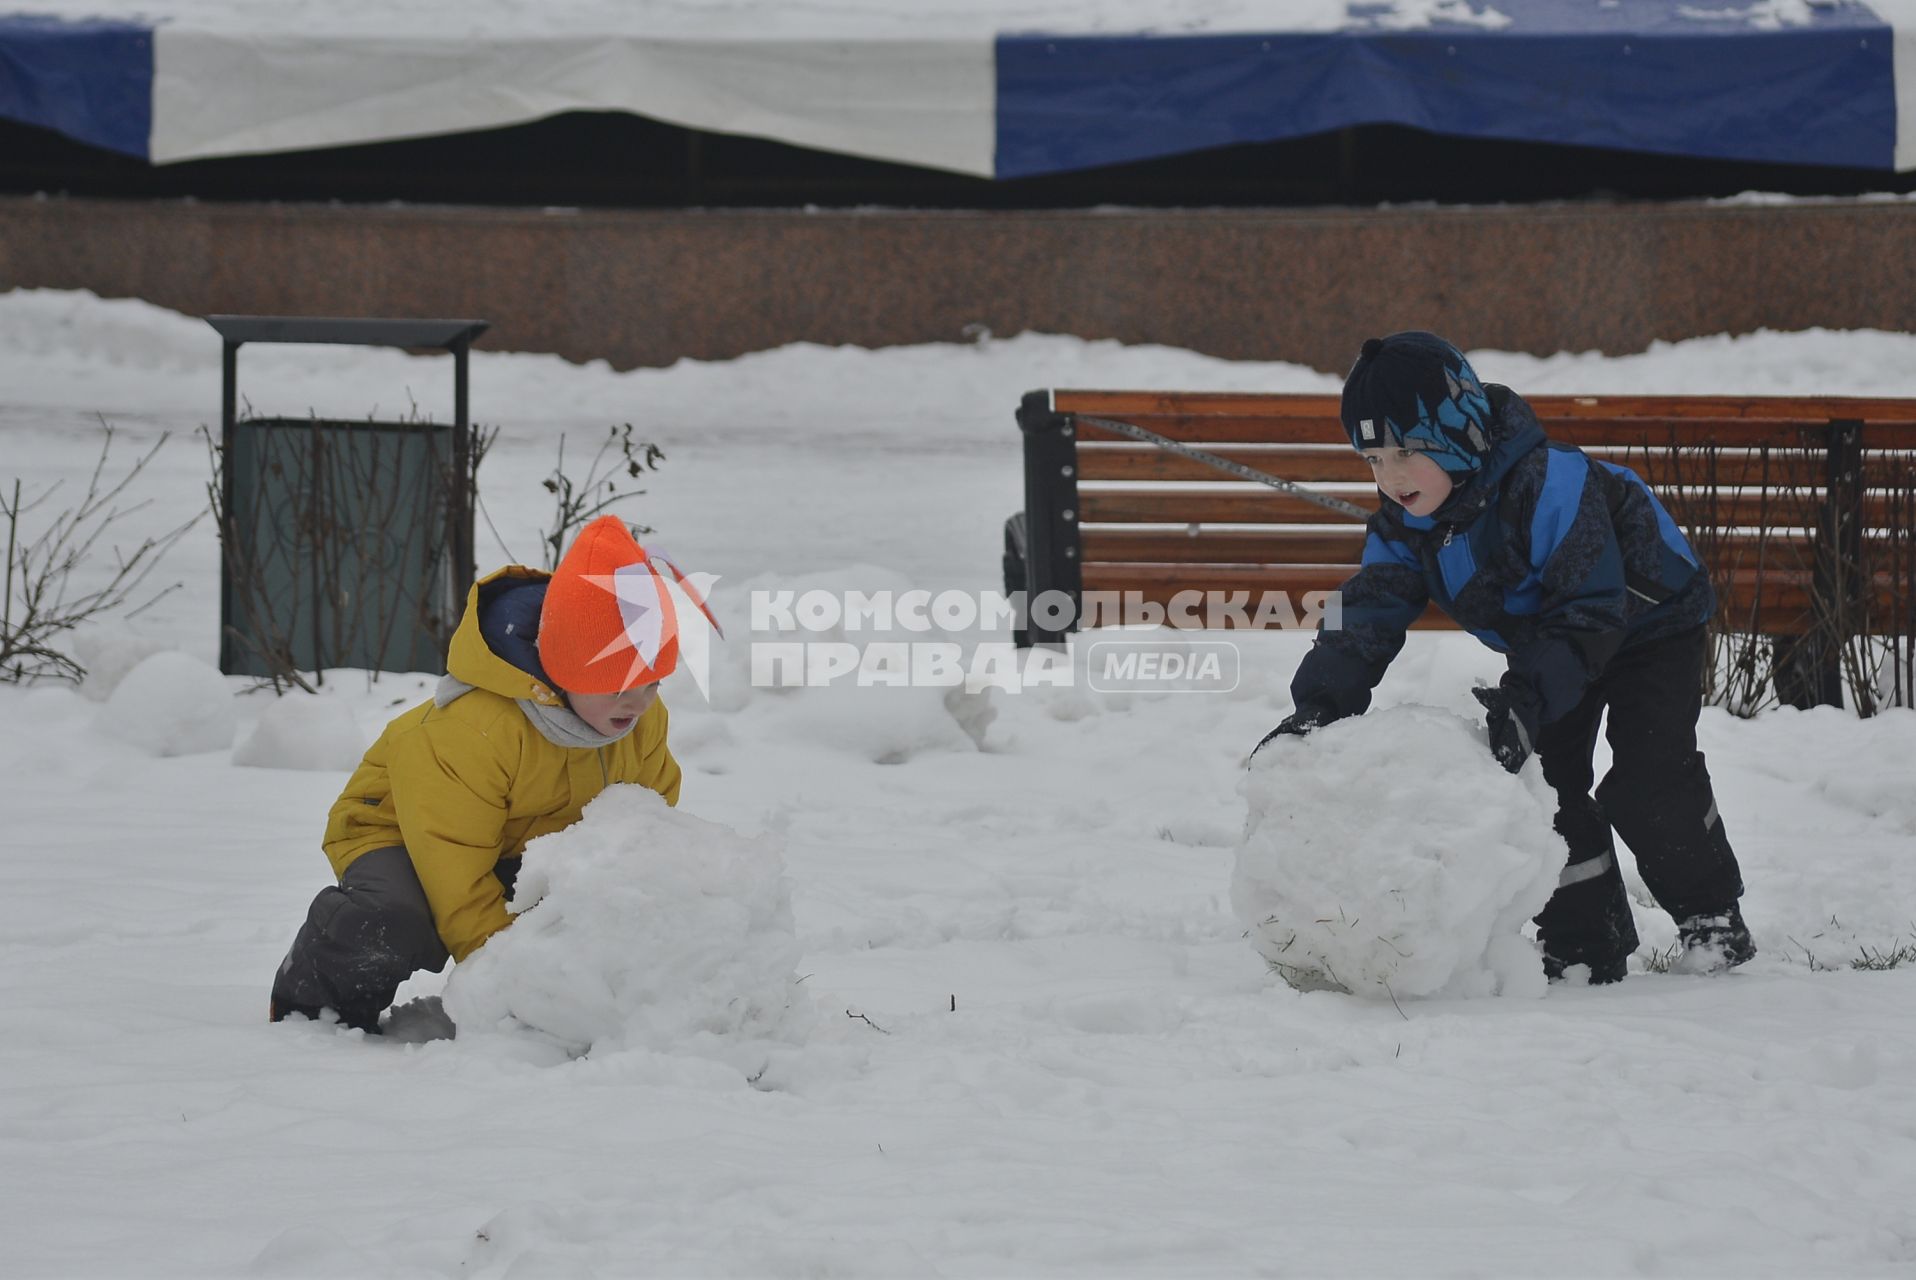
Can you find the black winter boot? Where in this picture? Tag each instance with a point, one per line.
(1588, 922)
(1714, 942)
(279, 1008)
(1602, 969)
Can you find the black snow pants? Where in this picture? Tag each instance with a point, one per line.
(364, 937)
(1657, 796)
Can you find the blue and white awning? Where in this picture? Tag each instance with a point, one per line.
(995, 88)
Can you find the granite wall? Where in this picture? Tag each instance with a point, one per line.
(650, 287)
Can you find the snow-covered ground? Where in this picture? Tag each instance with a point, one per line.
(1029, 1035)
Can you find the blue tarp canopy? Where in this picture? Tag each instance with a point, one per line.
(1777, 81)
(1635, 75)
(88, 80)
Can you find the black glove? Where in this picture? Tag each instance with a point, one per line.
(1511, 715)
(1296, 724)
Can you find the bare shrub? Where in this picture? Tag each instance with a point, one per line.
(42, 606)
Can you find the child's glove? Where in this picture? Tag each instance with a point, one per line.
(1297, 724)
(1511, 715)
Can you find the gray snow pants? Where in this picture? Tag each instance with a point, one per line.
(362, 938)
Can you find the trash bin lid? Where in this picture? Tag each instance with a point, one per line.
(367, 332)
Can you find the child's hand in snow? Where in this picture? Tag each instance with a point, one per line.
(1511, 716)
(1297, 724)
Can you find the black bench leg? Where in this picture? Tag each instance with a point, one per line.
(1809, 672)
(1016, 574)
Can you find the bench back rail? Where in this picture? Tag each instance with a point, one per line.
(1801, 507)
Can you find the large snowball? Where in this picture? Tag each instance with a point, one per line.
(1390, 855)
(300, 731)
(640, 927)
(171, 704)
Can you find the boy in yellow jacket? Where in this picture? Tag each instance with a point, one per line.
(551, 695)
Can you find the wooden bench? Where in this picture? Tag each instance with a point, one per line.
(1801, 507)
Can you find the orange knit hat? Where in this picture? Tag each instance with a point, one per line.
(608, 623)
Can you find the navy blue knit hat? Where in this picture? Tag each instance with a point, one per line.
(1415, 391)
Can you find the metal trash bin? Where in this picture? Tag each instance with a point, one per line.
(343, 543)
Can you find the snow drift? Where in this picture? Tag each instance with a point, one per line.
(171, 704)
(302, 731)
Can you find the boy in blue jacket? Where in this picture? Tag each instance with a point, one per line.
(1574, 570)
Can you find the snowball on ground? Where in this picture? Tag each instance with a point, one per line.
(301, 731)
(1390, 854)
(108, 651)
(171, 704)
(641, 927)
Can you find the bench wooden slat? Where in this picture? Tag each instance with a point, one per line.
(1330, 463)
(1208, 506)
(1239, 577)
(1330, 545)
(1763, 510)
(1692, 432)
(1766, 617)
(1339, 464)
(1226, 428)
(1878, 411)
(1891, 414)
(1224, 546)
(1779, 604)
(1689, 433)
(1124, 404)
(1801, 468)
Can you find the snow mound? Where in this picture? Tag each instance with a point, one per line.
(300, 731)
(1390, 854)
(640, 927)
(1872, 781)
(171, 704)
(108, 653)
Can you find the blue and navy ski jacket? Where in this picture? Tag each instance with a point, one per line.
(1545, 554)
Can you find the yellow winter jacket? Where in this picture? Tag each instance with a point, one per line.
(464, 785)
